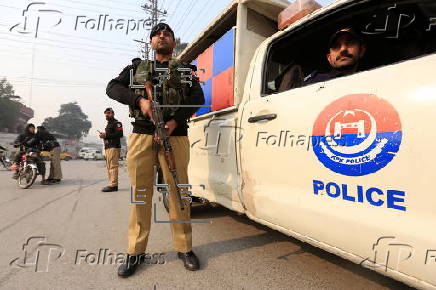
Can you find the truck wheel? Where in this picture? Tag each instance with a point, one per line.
(67, 158)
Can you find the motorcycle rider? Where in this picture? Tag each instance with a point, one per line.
(28, 141)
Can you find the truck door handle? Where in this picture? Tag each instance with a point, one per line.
(268, 117)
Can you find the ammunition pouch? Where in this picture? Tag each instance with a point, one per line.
(172, 90)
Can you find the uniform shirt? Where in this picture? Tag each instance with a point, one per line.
(316, 77)
(118, 89)
(114, 132)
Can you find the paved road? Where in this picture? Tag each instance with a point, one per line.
(75, 217)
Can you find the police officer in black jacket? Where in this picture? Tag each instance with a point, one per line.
(49, 143)
(112, 147)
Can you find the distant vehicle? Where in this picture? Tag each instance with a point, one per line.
(123, 153)
(83, 151)
(66, 156)
(46, 156)
(93, 154)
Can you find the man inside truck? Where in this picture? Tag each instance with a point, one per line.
(346, 49)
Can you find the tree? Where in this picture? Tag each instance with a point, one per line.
(71, 122)
(9, 106)
(180, 46)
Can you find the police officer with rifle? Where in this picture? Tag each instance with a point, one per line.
(159, 138)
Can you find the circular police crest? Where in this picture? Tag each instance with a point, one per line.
(357, 135)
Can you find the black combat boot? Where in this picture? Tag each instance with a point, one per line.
(110, 188)
(128, 268)
(190, 260)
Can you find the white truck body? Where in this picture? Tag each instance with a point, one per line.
(373, 202)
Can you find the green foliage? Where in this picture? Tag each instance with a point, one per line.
(71, 122)
(9, 106)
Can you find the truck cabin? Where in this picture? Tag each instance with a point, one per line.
(392, 31)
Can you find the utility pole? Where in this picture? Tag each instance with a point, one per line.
(144, 50)
(155, 14)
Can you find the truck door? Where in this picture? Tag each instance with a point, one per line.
(274, 146)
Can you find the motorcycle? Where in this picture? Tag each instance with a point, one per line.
(27, 171)
(4, 160)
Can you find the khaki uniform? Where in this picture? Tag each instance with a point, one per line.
(55, 164)
(141, 160)
(112, 158)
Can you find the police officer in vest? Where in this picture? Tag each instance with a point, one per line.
(112, 147)
(142, 156)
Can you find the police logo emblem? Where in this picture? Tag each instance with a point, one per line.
(357, 135)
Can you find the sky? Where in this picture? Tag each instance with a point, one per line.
(57, 52)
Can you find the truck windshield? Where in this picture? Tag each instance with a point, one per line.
(392, 32)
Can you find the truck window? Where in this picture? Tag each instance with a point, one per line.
(392, 32)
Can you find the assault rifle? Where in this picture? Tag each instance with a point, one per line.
(163, 139)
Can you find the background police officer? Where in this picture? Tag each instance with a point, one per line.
(112, 146)
(48, 142)
(141, 158)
